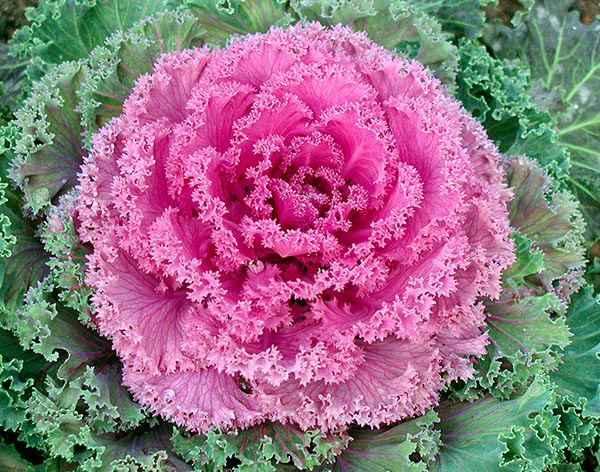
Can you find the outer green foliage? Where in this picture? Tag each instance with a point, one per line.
(83, 418)
(6, 239)
(19, 371)
(27, 262)
(579, 433)
(577, 376)
(223, 18)
(261, 448)
(563, 56)
(49, 146)
(497, 93)
(11, 80)
(535, 404)
(149, 450)
(526, 339)
(555, 421)
(517, 434)
(126, 56)
(409, 446)
(63, 30)
(461, 17)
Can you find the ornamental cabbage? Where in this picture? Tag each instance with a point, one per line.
(298, 227)
(265, 235)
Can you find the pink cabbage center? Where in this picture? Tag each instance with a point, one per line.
(299, 227)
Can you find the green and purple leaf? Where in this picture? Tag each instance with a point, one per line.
(49, 150)
(223, 18)
(578, 376)
(127, 56)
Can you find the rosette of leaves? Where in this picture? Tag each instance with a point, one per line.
(533, 403)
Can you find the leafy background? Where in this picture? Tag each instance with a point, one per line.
(529, 71)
